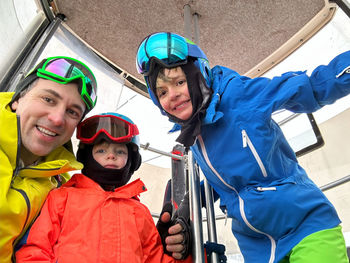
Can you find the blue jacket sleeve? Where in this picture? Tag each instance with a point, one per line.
(298, 92)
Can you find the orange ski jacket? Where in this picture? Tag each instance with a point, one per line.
(80, 222)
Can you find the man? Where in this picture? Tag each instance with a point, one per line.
(37, 122)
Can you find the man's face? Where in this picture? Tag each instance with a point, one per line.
(49, 113)
(172, 92)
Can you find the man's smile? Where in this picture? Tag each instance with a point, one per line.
(46, 131)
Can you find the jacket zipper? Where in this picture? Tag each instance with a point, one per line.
(262, 189)
(25, 197)
(345, 71)
(247, 141)
(16, 171)
(241, 201)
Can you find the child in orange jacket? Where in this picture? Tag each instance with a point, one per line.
(97, 216)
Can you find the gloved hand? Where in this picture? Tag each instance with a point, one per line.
(219, 249)
(163, 227)
(181, 217)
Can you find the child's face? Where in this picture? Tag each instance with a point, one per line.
(172, 92)
(110, 155)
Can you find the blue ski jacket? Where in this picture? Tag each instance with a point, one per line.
(248, 161)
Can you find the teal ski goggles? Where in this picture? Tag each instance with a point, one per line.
(169, 50)
(64, 70)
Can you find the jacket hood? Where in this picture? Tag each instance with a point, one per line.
(8, 128)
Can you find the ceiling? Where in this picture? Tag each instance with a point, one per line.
(239, 34)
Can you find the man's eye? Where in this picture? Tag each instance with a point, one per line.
(73, 113)
(47, 99)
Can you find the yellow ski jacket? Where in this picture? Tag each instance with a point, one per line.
(24, 190)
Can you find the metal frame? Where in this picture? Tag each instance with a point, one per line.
(20, 61)
(193, 174)
(319, 139)
(343, 5)
(29, 59)
(195, 210)
(335, 183)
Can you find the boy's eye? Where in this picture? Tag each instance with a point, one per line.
(121, 152)
(181, 82)
(100, 151)
(161, 93)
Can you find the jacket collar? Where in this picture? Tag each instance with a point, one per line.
(130, 190)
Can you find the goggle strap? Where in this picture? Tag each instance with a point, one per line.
(89, 103)
(34, 70)
(134, 131)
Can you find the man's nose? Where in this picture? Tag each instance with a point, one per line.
(57, 116)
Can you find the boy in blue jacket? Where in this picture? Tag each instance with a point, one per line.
(278, 214)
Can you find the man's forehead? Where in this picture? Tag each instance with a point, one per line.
(55, 85)
(61, 91)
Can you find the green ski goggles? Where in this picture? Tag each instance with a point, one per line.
(64, 70)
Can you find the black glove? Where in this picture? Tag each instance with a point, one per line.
(219, 249)
(164, 227)
(182, 217)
